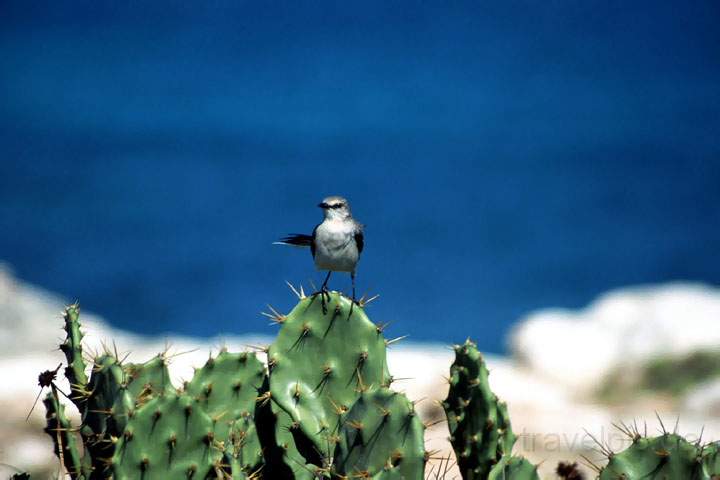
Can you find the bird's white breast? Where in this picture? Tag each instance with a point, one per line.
(335, 247)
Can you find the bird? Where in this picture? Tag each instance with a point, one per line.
(335, 244)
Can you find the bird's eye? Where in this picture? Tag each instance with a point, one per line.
(337, 205)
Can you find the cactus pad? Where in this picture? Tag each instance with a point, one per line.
(667, 456)
(321, 363)
(63, 436)
(72, 348)
(479, 424)
(381, 438)
(227, 387)
(168, 437)
(116, 390)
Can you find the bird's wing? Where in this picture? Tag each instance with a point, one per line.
(312, 240)
(297, 240)
(359, 238)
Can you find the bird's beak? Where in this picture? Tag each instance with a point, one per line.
(323, 205)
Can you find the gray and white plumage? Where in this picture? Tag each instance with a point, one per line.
(337, 242)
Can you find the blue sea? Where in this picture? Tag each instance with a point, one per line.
(504, 156)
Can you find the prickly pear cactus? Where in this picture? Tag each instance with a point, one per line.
(513, 468)
(227, 388)
(170, 436)
(319, 366)
(225, 392)
(479, 424)
(381, 438)
(323, 411)
(667, 456)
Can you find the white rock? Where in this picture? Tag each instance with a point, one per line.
(623, 327)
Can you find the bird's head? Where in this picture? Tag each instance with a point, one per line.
(335, 208)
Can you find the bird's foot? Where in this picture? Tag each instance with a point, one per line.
(323, 293)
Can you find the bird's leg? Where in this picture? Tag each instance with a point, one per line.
(352, 301)
(324, 291)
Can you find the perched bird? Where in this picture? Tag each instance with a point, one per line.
(335, 244)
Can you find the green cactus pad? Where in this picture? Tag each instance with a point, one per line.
(320, 363)
(227, 387)
(381, 438)
(170, 436)
(142, 382)
(667, 456)
(513, 468)
(145, 380)
(72, 348)
(63, 436)
(105, 384)
(480, 430)
(117, 390)
(99, 424)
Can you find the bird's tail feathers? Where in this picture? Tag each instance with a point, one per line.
(296, 240)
